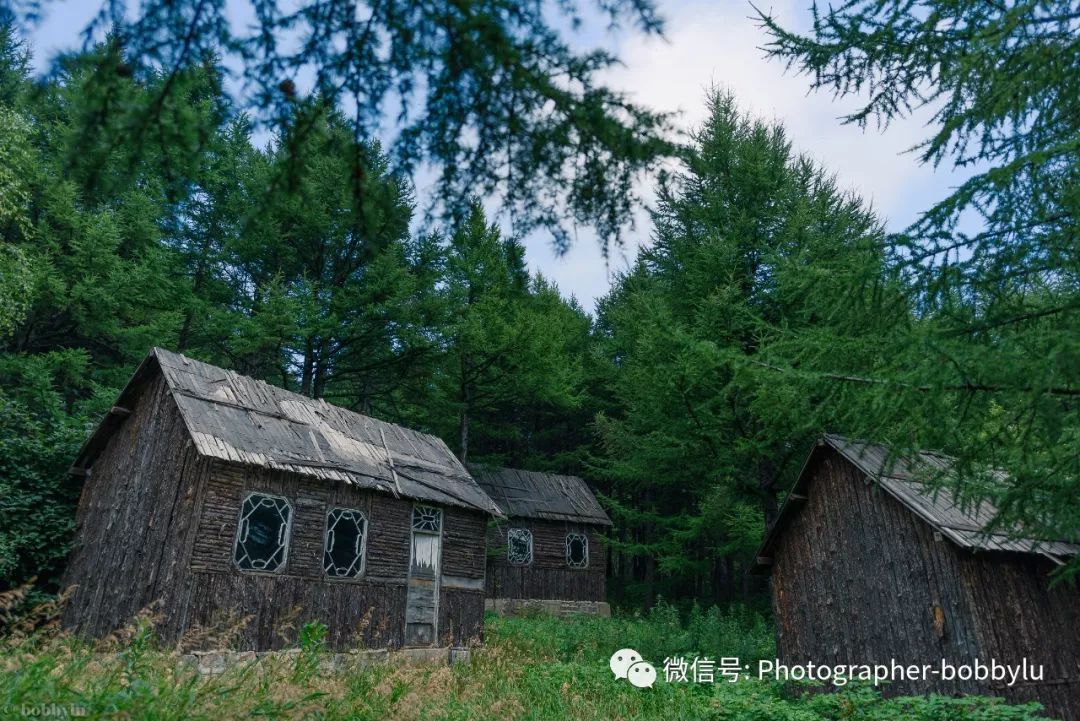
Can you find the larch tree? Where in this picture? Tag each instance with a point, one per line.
(489, 93)
(754, 244)
(993, 374)
(508, 340)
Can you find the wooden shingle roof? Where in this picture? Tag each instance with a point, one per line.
(904, 478)
(547, 496)
(236, 418)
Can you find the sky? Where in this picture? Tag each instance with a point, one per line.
(706, 43)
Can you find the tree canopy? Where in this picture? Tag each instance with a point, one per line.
(995, 266)
(273, 230)
(488, 94)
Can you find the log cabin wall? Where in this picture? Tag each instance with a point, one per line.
(1020, 615)
(135, 518)
(367, 611)
(461, 600)
(858, 578)
(548, 576)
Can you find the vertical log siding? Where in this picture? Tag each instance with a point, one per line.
(857, 578)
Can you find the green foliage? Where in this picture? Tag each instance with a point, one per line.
(38, 440)
(312, 644)
(660, 632)
(304, 271)
(1001, 82)
(993, 371)
(541, 669)
(16, 286)
(490, 92)
(512, 347)
(757, 255)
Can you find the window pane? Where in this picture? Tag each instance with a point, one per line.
(427, 519)
(577, 550)
(262, 537)
(343, 555)
(519, 546)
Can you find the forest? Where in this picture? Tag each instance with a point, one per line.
(341, 198)
(145, 202)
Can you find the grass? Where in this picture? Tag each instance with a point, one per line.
(530, 668)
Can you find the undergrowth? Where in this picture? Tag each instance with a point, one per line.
(542, 669)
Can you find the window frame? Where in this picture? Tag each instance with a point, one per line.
(528, 532)
(363, 543)
(423, 526)
(286, 545)
(585, 543)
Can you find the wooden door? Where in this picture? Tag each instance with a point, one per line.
(422, 599)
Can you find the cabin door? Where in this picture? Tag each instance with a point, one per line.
(422, 598)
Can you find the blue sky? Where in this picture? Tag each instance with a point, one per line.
(706, 42)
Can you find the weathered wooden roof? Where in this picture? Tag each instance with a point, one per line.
(903, 478)
(549, 496)
(236, 418)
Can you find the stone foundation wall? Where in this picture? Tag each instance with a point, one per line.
(558, 608)
(216, 662)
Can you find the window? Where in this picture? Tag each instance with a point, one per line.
(262, 536)
(343, 548)
(519, 546)
(426, 519)
(426, 541)
(577, 550)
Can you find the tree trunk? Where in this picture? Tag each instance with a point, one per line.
(465, 391)
(322, 370)
(196, 287)
(463, 429)
(307, 373)
(650, 582)
(767, 487)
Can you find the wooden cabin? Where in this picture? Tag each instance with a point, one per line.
(217, 501)
(868, 564)
(550, 546)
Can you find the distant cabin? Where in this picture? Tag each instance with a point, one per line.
(215, 501)
(869, 565)
(550, 545)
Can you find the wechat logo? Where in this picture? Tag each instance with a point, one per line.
(627, 663)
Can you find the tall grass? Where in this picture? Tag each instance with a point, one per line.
(540, 669)
(661, 633)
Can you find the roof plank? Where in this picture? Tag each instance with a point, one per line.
(239, 419)
(969, 526)
(548, 496)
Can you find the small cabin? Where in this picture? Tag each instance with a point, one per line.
(214, 501)
(869, 564)
(550, 545)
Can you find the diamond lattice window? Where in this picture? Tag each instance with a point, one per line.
(519, 546)
(262, 537)
(346, 536)
(427, 519)
(577, 550)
